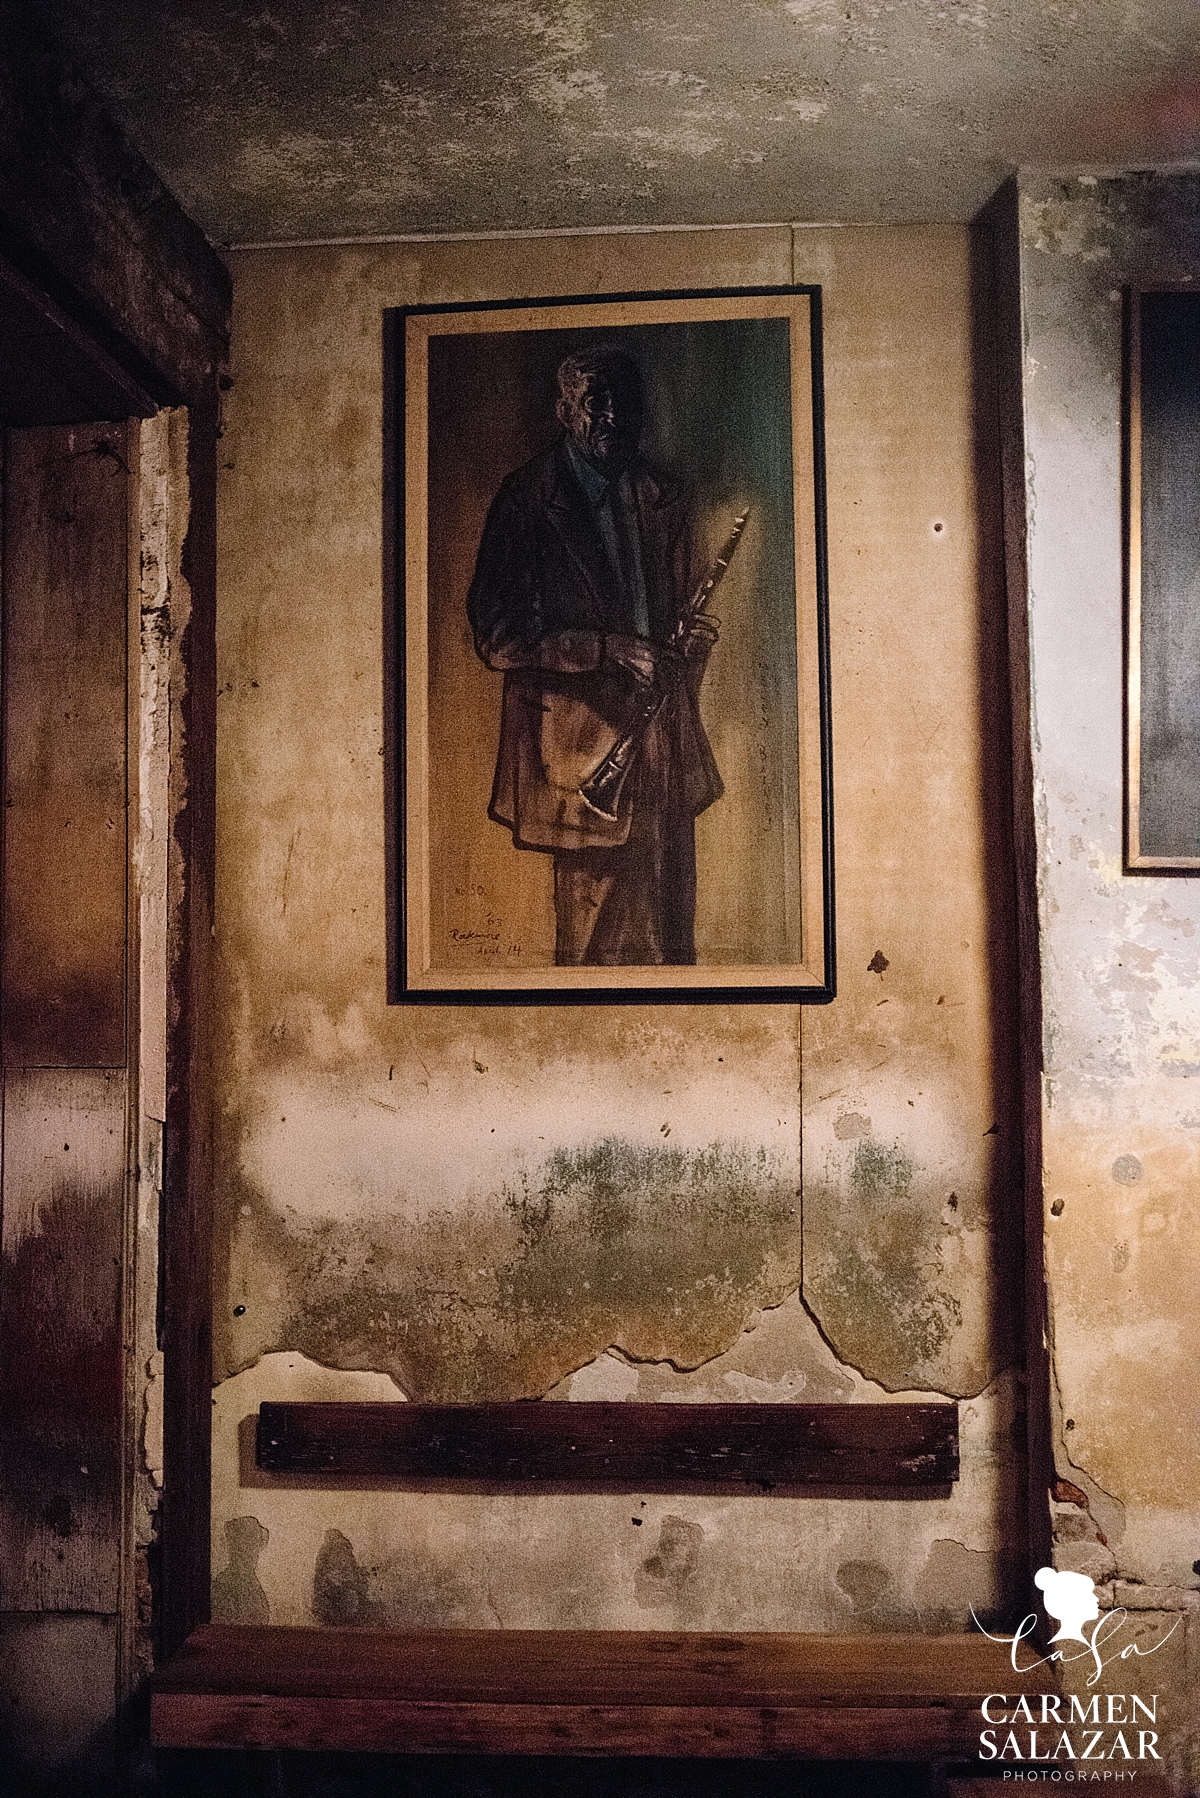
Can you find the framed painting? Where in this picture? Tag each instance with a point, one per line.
(610, 761)
(1162, 782)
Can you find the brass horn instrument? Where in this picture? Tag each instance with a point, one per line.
(603, 786)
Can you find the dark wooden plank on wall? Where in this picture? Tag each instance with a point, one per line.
(635, 1444)
(50, 372)
(61, 1366)
(65, 600)
(84, 217)
(582, 1692)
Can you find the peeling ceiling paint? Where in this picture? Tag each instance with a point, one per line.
(313, 119)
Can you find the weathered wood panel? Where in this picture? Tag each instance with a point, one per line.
(61, 1367)
(581, 1692)
(718, 1731)
(65, 601)
(911, 1445)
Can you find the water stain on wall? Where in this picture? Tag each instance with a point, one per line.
(864, 1583)
(886, 1283)
(666, 1577)
(665, 1253)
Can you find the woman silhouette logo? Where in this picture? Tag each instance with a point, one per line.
(1069, 1597)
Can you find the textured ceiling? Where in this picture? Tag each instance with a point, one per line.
(309, 119)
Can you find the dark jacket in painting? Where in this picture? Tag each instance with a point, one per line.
(548, 609)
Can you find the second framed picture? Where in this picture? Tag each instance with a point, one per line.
(611, 756)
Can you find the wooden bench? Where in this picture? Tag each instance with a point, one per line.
(583, 1692)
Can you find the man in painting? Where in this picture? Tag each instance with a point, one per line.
(581, 598)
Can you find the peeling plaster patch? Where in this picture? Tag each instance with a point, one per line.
(1159, 912)
(646, 141)
(152, 1427)
(850, 1125)
(1080, 1545)
(303, 161)
(662, 1252)
(608, 1377)
(237, 1596)
(1062, 227)
(808, 110)
(779, 1358)
(565, 33)
(674, 80)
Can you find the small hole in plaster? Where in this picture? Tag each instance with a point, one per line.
(1070, 1423)
(1058, 1207)
(239, 1310)
(938, 527)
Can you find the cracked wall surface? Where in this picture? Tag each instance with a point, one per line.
(1121, 1113)
(328, 1551)
(463, 1204)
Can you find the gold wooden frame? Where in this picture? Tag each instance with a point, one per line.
(422, 971)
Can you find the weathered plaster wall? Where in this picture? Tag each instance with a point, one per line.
(1121, 1114)
(607, 1202)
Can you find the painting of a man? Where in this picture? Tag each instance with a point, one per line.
(581, 598)
(603, 786)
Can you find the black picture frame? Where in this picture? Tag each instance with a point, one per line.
(1162, 581)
